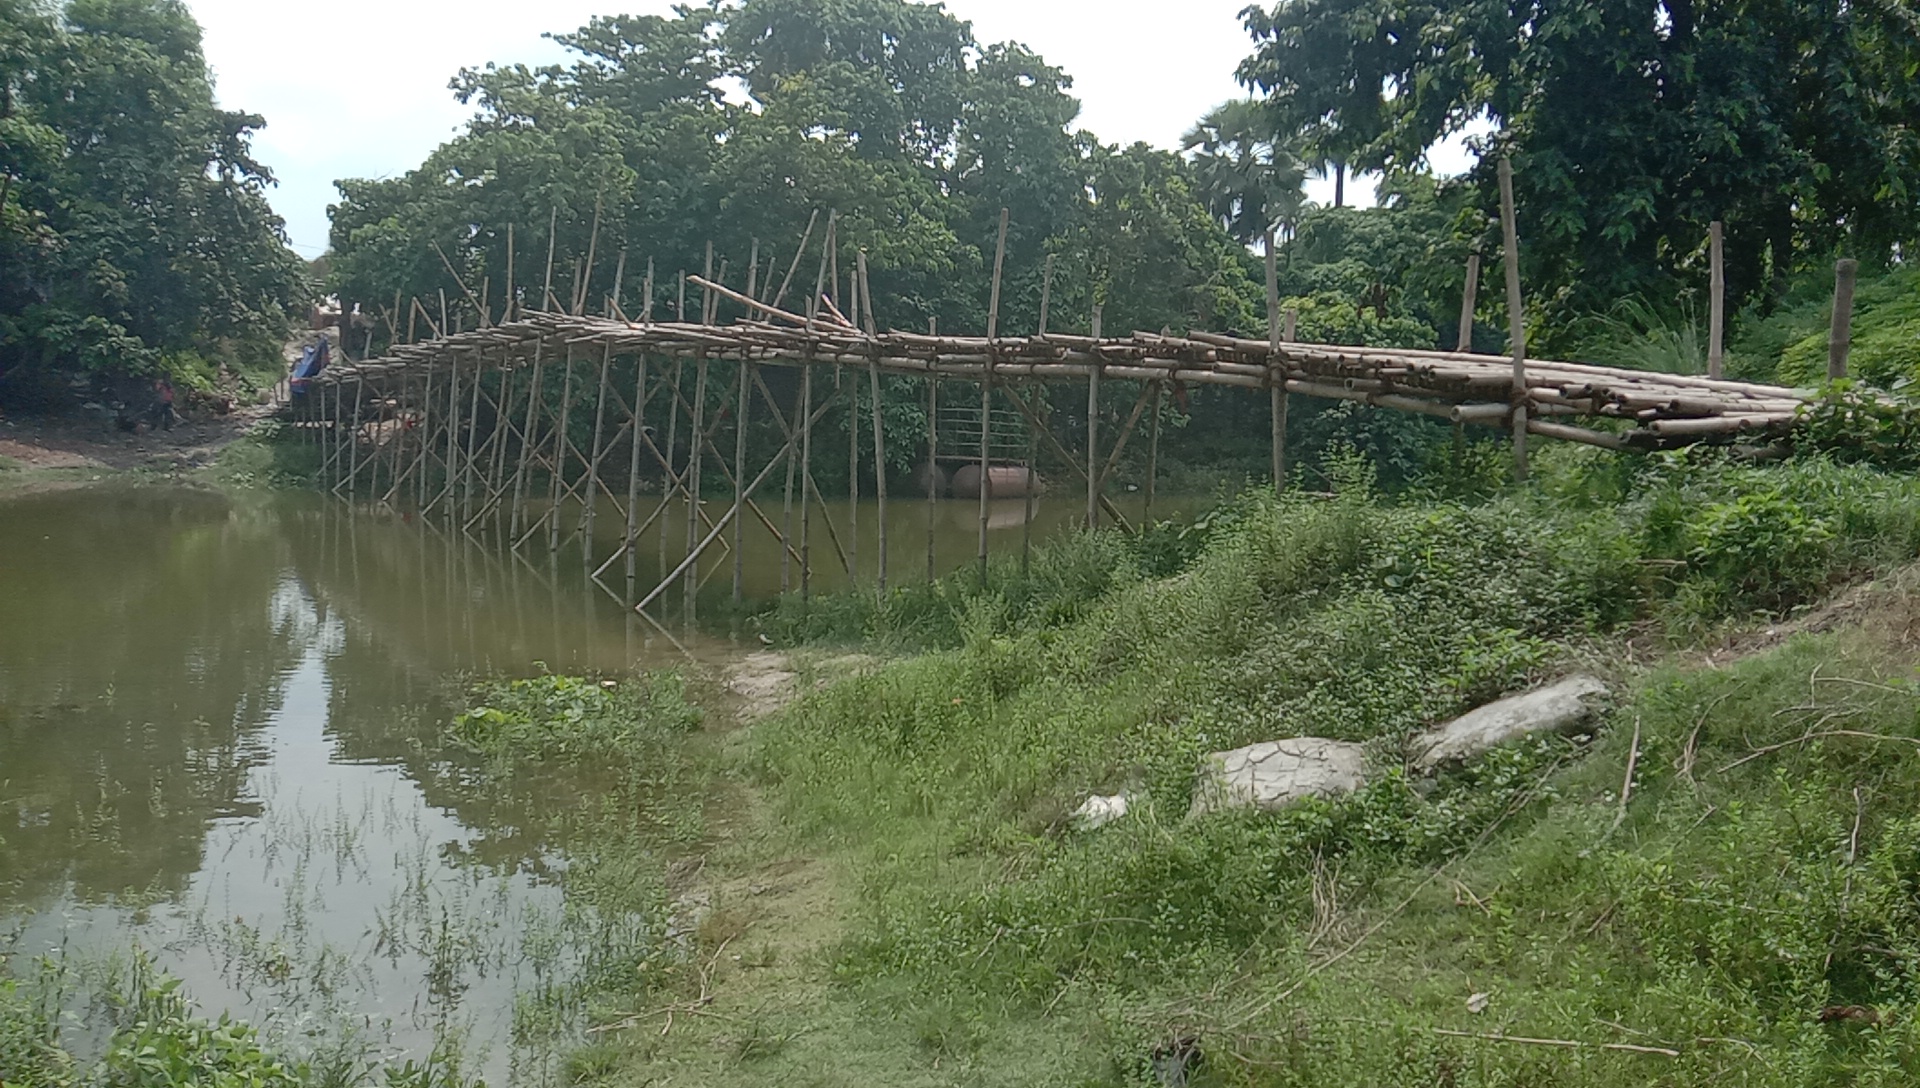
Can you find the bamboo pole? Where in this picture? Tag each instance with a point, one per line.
(633, 462)
(1093, 430)
(1468, 297)
(798, 252)
(1717, 313)
(473, 431)
(695, 446)
(592, 500)
(513, 302)
(1516, 323)
(740, 467)
(553, 234)
(1840, 336)
(806, 469)
(933, 459)
(986, 392)
(1276, 384)
(517, 516)
(879, 432)
(1153, 457)
(561, 441)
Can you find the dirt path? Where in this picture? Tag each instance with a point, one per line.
(91, 440)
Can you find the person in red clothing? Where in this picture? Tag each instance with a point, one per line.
(163, 403)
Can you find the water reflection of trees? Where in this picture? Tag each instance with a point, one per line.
(139, 656)
(146, 635)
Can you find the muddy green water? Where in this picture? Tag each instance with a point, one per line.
(219, 742)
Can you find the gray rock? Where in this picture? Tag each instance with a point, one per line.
(1277, 773)
(1097, 812)
(1559, 707)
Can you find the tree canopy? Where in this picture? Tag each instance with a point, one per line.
(135, 234)
(1632, 123)
(887, 111)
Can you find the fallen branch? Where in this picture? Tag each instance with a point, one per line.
(1573, 1044)
(1813, 736)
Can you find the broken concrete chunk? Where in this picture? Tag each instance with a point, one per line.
(1559, 707)
(1097, 812)
(1277, 773)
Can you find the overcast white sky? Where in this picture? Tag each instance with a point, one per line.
(358, 88)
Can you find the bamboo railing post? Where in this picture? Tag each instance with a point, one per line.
(879, 433)
(1516, 320)
(1469, 296)
(799, 251)
(1840, 335)
(1277, 370)
(553, 233)
(986, 391)
(1093, 427)
(646, 304)
(512, 309)
(1717, 287)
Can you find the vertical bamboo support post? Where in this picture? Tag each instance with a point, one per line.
(1153, 455)
(452, 425)
(695, 434)
(419, 466)
(633, 464)
(560, 443)
(933, 454)
(590, 501)
(518, 513)
(1717, 304)
(695, 445)
(1516, 320)
(360, 394)
(740, 466)
(806, 471)
(986, 391)
(1033, 454)
(473, 433)
(1276, 370)
(1093, 427)
(674, 481)
(853, 441)
(1840, 336)
(806, 412)
(879, 433)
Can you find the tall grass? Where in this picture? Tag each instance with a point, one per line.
(1718, 907)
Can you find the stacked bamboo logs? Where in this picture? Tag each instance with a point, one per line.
(1656, 409)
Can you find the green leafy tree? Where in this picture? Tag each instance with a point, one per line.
(135, 235)
(1250, 176)
(1631, 123)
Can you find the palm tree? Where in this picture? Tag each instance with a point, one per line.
(1252, 180)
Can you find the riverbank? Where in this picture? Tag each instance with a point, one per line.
(1705, 884)
(854, 852)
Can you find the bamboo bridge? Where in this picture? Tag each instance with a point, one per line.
(467, 426)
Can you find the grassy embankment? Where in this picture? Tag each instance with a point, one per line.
(1750, 907)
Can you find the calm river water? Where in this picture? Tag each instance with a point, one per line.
(219, 743)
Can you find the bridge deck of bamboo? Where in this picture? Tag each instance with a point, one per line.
(442, 451)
